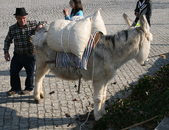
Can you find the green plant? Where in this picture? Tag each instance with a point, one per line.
(149, 98)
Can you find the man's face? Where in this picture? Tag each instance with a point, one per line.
(21, 20)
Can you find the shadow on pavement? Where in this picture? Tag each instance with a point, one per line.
(13, 120)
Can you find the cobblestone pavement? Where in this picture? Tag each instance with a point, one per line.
(21, 112)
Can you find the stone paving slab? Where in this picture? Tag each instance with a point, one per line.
(21, 112)
(164, 125)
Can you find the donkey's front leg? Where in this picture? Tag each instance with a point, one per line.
(39, 75)
(103, 111)
(98, 99)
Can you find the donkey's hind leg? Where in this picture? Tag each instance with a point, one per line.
(41, 70)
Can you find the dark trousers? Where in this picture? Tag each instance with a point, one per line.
(136, 20)
(17, 63)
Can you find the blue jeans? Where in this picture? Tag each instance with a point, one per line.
(17, 63)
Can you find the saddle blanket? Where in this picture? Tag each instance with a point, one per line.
(70, 60)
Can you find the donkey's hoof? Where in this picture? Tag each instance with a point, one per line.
(37, 101)
(145, 62)
(42, 96)
(97, 117)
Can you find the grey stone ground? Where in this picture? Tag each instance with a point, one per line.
(21, 112)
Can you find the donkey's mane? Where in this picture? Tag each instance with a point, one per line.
(117, 36)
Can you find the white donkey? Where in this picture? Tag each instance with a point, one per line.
(111, 52)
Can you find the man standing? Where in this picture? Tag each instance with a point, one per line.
(21, 34)
(143, 7)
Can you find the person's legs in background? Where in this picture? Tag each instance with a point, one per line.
(15, 68)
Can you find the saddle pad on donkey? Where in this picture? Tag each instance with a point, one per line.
(71, 60)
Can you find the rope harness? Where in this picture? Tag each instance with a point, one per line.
(139, 29)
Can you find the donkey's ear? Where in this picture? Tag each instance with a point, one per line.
(144, 24)
(127, 19)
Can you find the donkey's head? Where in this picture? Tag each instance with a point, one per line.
(145, 38)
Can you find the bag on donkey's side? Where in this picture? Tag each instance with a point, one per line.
(97, 21)
(69, 36)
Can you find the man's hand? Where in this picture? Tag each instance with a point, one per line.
(136, 13)
(39, 27)
(7, 57)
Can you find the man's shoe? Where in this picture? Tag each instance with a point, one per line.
(11, 92)
(24, 92)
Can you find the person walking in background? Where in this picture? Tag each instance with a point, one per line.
(21, 34)
(77, 9)
(143, 7)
